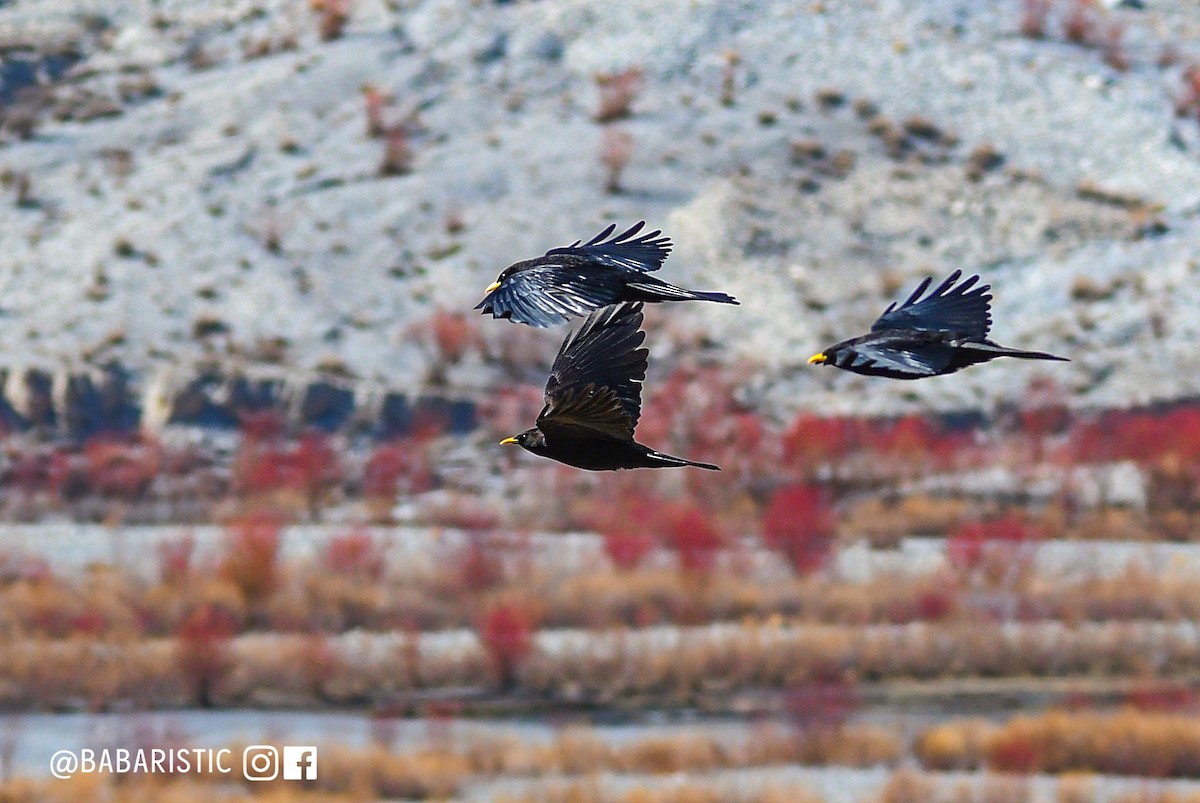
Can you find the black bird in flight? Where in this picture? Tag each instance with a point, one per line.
(939, 334)
(584, 277)
(594, 398)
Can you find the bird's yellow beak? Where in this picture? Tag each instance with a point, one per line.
(491, 287)
(817, 359)
(508, 440)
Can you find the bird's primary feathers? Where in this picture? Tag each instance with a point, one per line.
(583, 277)
(941, 333)
(594, 398)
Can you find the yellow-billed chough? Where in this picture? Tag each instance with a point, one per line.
(939, 334)
(587, 276)
(594, 398)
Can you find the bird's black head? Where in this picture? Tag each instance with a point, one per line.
(835, 355)
(531, 440)
(516, 267)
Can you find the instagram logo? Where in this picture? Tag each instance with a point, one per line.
(260, 762)
(299, 763)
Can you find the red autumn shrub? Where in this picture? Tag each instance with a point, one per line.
(355, 554)
(1081, 22)
(375, 102)
(454, 335)
(965, 547)
(1009, 529)
(799, 523)
(936, 604)
(251, 560)
(506, 632)
(617, 92)
(1034, 14)
(26, 471)
(175, 558)
(313, 468)
(812, 441)
(1163, 698)
(692, 534)
(1008, 753)
(399, 466)
(203, 648)
(120, 469)
(625, 548)
(89, 623)
(1140, 435)
(999, 548)
(628, 524)
(476, 567)
(823, 702)
(261, 425)
(909, 437)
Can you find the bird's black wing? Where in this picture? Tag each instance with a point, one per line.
(585, 413)
(645, 253)
(596, 379)
(963, 311)
(548, 293)
(911, 360)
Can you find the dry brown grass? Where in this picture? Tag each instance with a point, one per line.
(1128, 742)
(1156, 796)
(593, 791)
(675, 666)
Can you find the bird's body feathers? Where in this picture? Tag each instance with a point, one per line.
(581, 278)
(939, 334)
(593, 398)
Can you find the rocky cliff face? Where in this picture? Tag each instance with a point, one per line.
(221, 197)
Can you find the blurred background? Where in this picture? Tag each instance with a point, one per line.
(250, 487)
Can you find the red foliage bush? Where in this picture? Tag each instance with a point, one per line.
(506, 632)
(376, 103)
(1034, 14)
(1165, 699)
(454, 335)
(823, 702)
(1140, 435)
(799, 523)
(120, 469)
(627, 522)
(1009, 528)
(965, 548)
(909, 436)
(333, 17)
(477, 567)
(251, 560)
(355, 554)
(1081, 22)
(936, 604)
(203, 649)
(626, 548)
(1013, 755)
(812, 441)
(617, 92)
(261, 425)
(1188, 104)
(310, 467)
(692, 534)
(998, 546)
(383, 470)
(175, 558)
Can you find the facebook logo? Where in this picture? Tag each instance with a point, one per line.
(299, 763)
